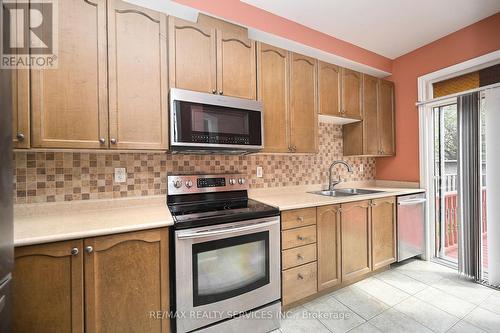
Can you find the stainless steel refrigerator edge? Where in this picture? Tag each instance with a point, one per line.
(6, 200)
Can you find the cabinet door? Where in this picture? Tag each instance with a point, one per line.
(273, 84)
(351, 93)
(383, 232)
(20, 96)
(370, 119)
(192, 56)
(303, 104)
(126, 277)
(69, 104)
(356, 240)
(48, 288)
(386, 117)
(20, 108)
(137, 44)
(329, 79)
(328, 240)
(236, 69)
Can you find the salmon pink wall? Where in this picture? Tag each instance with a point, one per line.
(470, 42)
(247, 15)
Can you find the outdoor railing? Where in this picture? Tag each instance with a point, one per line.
(451, 217)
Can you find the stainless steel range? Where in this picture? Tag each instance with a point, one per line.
(226, 253)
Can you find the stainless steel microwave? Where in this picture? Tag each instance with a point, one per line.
(207, 123)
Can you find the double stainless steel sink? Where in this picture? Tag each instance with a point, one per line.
(345, 192)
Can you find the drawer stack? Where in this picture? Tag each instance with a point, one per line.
(299, 253)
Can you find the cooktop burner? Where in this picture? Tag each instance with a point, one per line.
(206, 200)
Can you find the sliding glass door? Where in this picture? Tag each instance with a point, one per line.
(446, 144)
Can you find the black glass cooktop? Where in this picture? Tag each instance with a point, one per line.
(199, 213)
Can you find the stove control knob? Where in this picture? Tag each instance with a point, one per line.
(241, 181)
(232, 181)
(189, 184)
(177, 183)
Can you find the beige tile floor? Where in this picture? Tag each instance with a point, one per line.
(414, 296)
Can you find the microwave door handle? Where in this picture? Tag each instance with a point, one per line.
(223, 231)
(411, 202)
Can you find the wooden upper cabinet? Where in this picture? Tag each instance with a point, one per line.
(20, 95)
(374, 136)
(351, 94)
(303, 104)
(20, 108)
(383, 232)
(386, 123)
(273, 91)
(236, 65)
(47, 288)
(192, 56)
(329, 87)
(69, 104)
(138, 77)
(371, 142)
(356, 240)
(126, 277)
(328, 240)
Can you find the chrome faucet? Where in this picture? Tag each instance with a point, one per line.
(331, 183)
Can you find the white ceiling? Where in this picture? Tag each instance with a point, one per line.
(388, 27)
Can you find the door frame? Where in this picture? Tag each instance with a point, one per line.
(426, 142)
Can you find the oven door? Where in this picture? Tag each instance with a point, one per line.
(226, 269)
(205, 121)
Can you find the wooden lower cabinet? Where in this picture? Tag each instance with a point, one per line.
(299, 282)
(328, 240)
(124, 276)
(383, 232)
(47, 288)
(339, 245)
(356, 239)
(299, 254)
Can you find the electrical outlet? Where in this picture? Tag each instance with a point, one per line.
(361, 168)
(120, 175)
(259, 172)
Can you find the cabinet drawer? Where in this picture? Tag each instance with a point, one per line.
(299, 282)
(299, 256)
(298, 218)
(298, 237)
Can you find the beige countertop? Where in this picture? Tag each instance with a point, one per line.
(52, 222)
(298, 197)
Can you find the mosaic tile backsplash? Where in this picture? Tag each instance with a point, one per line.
(66, 176)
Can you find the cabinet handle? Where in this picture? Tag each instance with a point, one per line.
(20, 137)
(221, 92)
(300, 219)
(102, 141)
(300, 276)
(300, 257)
(89, 249)
(113, 141)
(214, 91)
(74, 251)
(300, 238)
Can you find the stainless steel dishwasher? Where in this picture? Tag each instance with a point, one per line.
(411, 222)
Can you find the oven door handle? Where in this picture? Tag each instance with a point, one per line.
(222, 231)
